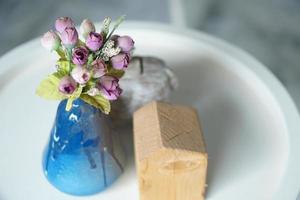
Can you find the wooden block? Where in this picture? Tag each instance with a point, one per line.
(170, 153)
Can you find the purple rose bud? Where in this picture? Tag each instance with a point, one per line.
(69, 37)
(80, 74)
(67, 85)
(80, 55)
(94, 41)
(62, 23)
(114, 37)
(86, 27)
(50, 40)
(99, 68)
(125, 43)
(120, 61)
(109, 86)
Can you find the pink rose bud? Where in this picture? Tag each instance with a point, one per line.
(109, 87)
(62, 23)
(120, 61)
(99, 68)
(67, 85)
(125, 43)
(80, 74)
(94, 41)
(86, 27)
(69, 37)
(50, 40)
(80, 55)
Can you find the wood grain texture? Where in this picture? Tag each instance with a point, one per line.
(170, 152)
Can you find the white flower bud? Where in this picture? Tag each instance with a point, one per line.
(50, 40)
(86, 27)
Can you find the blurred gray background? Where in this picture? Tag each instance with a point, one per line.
(268, 29)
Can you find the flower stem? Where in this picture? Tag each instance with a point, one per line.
(60, 52)
(69, 54)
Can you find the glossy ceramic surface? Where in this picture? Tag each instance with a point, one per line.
(84, 155)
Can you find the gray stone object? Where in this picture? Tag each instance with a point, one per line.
(145, 80)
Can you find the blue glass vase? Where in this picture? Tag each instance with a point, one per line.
(84, 154)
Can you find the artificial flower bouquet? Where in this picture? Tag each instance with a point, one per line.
(89, 67)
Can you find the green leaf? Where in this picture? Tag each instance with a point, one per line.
(118, 22)
(90, 59)
(80, 43)
(115, 72)
(97, 101)
(48, 88)
(90, 84)
(76, 94)
(60, 52)
(60, 73)
(63, 66)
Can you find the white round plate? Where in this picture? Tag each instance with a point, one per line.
(250, 123)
